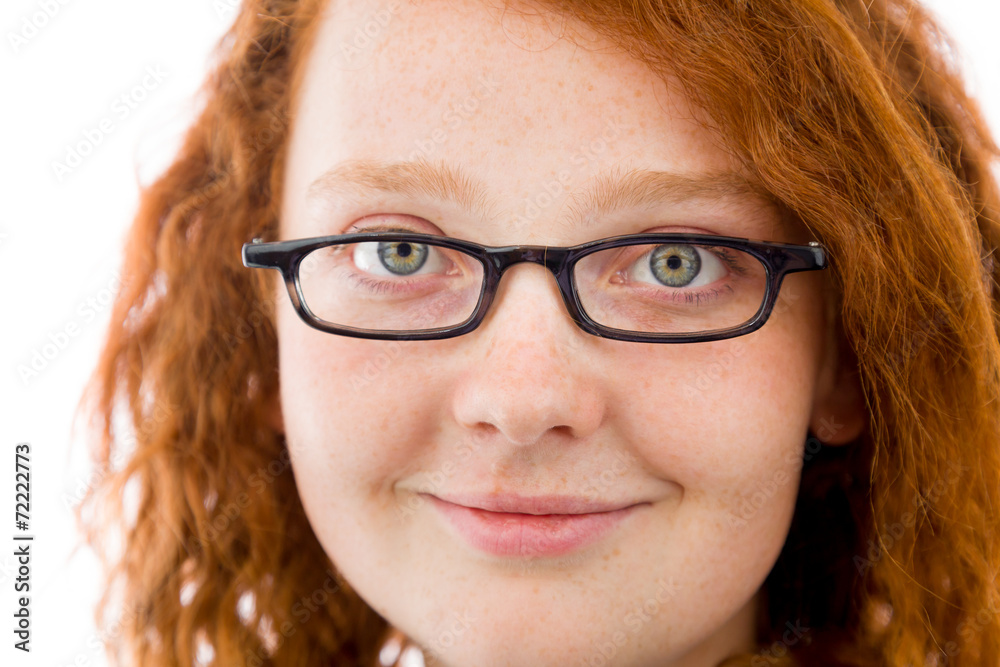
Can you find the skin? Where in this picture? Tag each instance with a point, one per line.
(529, 403)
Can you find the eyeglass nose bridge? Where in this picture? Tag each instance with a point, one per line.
(503, 258)
(552, 258)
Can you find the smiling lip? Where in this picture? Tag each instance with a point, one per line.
(530, 527)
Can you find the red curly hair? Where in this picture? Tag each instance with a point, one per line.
(852, 114)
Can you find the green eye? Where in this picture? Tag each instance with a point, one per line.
(402, 258)
(675, 265)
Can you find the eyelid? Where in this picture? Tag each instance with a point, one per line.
(389, 227)
(421, 228)
(683, 229)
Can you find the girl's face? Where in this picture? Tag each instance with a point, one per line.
(539, 139)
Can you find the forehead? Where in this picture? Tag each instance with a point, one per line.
(520, 101)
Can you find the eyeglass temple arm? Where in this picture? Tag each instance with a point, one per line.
(792, 258)
(259, 255)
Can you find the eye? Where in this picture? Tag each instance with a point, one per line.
(397, 258)
(678, 265)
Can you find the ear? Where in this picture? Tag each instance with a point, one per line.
(840, 412)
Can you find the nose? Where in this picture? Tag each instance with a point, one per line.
(531, 371)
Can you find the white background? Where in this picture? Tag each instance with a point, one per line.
(61, 238)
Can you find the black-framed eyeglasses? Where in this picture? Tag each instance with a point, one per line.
(648, 288)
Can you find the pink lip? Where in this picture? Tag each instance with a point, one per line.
(530, 527)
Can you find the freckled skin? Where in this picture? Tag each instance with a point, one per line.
(529, 403)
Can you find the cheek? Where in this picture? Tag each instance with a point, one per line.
(727, 421)
(355, 412)
(726, 424)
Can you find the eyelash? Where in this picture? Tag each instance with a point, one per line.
(706, 295)
(381, 286)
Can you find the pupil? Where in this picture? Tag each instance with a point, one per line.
(674, 262)
(403, 249)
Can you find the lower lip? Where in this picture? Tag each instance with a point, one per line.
(529, 535)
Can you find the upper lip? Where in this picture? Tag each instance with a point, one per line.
(512, 503)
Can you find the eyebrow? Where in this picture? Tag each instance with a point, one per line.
(621, 189)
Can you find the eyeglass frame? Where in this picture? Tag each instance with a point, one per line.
(778, 260)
